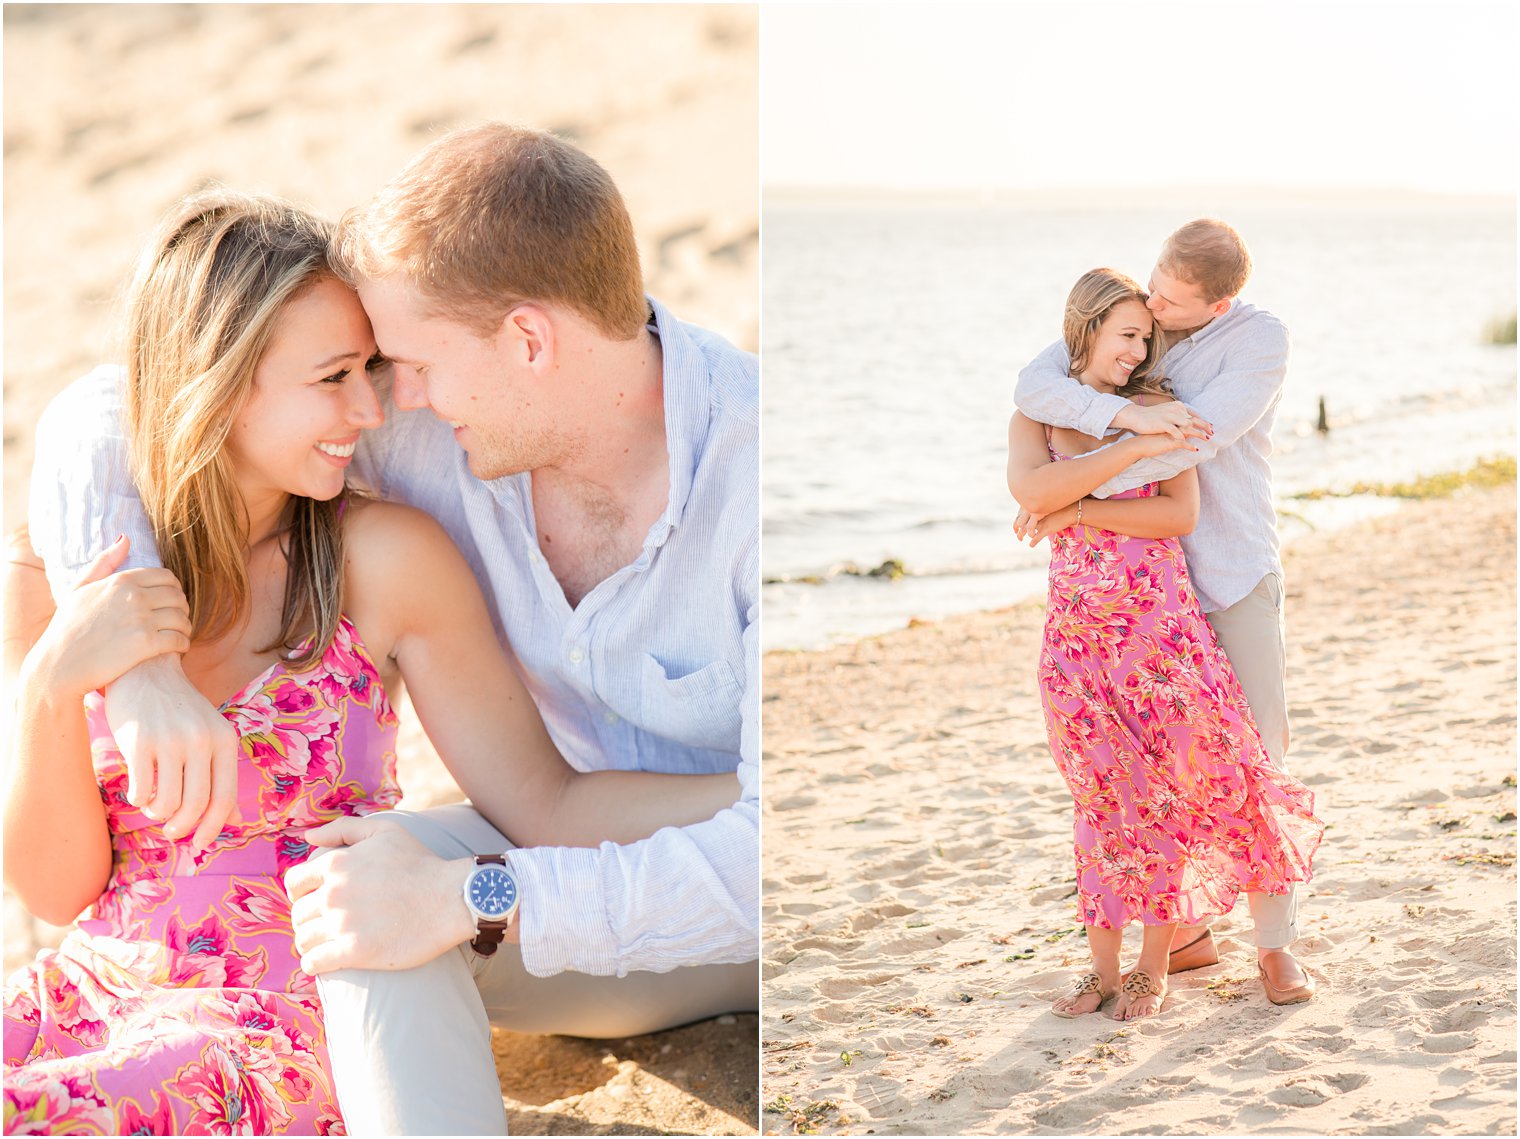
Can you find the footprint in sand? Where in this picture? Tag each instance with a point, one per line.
(1446, 1043)
(842, 988)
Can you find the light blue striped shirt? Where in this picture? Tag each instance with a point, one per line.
(657, 668)
(1230, 372)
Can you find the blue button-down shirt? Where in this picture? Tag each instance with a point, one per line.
(656, 669)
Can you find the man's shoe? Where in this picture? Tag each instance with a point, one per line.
(1195, 954)
(1282, 991)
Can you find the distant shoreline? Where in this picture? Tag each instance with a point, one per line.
(1129, 197)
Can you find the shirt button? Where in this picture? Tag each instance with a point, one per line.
(576, 655)
(610, 716)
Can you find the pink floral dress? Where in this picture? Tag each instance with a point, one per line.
(1178, 806)
(178, 1005)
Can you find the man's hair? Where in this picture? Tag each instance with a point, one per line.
(489, 217)
(209, 289)
(1210, 255)
(1095, 295)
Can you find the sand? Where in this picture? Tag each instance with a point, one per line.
(112, 113)
(918, 877)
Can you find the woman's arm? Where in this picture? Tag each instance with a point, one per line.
(1169, 514)
(1042, 486)
(405, 573)
(56, 844)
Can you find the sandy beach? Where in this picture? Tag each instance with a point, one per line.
(112, 113)
(919, 888)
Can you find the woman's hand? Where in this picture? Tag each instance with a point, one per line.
(1037, 527)
(109, 623)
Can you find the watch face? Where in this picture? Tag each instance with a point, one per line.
(493, 893)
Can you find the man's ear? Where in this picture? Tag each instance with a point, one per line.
(1220, 307)
(527, 332)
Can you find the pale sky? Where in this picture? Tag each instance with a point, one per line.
(1088, 93)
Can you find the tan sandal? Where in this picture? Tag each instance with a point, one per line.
(1136, 986)
(1087, 983)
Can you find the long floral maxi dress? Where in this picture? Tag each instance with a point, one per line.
(178, 1005)
(1178, 807)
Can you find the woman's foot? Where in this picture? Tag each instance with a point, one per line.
(1140, 995)
(1086, 996)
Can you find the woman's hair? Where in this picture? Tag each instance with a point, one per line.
(1092, 298)
(491, 216)
(201, 309)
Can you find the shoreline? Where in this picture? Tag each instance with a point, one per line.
(1300, 516)
(919, 889)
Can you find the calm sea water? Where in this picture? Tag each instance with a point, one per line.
(894, 332)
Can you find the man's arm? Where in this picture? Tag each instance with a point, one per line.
(684, 896)
(82, 496)
(180, 753)
(1234, 401)
(1047, 393)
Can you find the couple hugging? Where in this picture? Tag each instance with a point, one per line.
(204, 753)
(1162, 671)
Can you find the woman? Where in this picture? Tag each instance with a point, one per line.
(179, 1004)
(1178, 807)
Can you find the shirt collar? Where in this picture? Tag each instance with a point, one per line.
(687, 411)
(1227, 317)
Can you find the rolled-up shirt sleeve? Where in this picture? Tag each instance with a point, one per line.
(684, 896)
(1046, 393)
(82, 494)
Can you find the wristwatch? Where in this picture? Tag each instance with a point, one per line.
(491, 894)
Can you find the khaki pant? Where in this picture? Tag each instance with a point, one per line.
(411, 1049)
(1251, 634)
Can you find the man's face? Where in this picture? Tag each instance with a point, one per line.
(1177, 305)
(476, 384)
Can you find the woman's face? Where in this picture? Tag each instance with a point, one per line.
(1120, 344)
(311, 397)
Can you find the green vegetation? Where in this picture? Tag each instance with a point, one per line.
(1481, 475)
(1500, 330)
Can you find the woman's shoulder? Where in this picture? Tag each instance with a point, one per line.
(371, 522)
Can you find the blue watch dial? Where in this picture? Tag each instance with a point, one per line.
(493, 892)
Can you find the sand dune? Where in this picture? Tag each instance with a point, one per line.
(919, 884)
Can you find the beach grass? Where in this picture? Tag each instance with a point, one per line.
(1486, 472)
(1500, 330)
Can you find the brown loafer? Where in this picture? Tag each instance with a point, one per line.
(1291, 994)
(1196, 954)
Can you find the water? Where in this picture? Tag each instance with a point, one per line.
(894, 332)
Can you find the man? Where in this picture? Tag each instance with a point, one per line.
(604, 488)
(1226, 360)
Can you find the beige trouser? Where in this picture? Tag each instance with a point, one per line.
(411, 1049)
(1251, 634)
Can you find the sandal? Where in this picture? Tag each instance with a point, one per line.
(1087, 983)
(1137, 986)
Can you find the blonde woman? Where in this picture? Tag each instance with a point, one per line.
(1178, 807)
(179, 1004)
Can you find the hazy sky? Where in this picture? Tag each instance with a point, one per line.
(1036, 94)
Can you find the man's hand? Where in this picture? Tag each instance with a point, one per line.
(181, 753)
(1174, 418)
(385, 902)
